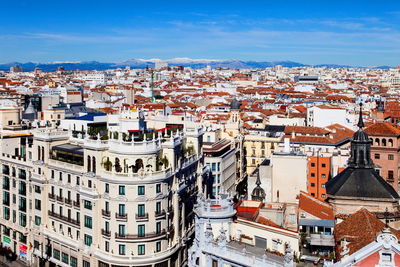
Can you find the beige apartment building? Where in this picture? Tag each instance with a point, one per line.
(260, 144)
(119, 199)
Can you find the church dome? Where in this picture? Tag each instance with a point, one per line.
(361, 136)
(235, 104)
(258, 193)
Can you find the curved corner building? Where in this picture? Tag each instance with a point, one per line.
(122, 199)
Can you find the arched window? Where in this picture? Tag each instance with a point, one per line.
(138, 164)
(107, 164)
(383, 142)
(377, 142)
(391, 142)
(38, 153)
(117, 165)
(94, 164)
(89, 164)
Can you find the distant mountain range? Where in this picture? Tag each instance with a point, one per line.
(186, 62)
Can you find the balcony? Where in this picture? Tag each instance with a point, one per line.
(52, 196)
(123, 217)
(68, 201)
(142, 217)
(6, 186)
(22, 192)
(6, 202)
(63, 218)
(106, 232)
(60, 199)
(77, 204)
(160, 213)
(106, 213)
(143, 236)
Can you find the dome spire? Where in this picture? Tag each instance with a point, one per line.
(360, 123)
(258, 193)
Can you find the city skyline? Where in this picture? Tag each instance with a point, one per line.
(361, 34)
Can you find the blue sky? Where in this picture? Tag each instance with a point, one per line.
(339, 32)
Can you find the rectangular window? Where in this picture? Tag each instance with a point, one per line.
(158, 246)
(158, 227)
(158, 188)
(38, 204)
(323, 176)
(36, 244)
(312, 184)
(38, 220)
(107, 189)
(121, 249)
(312, 174)
(141, 210)
(213, 166)
(56, 254)
(323, 165)
(88, 240)
(390, 175)
(65, 258)
(74, 262)
(323, 195)
(37, 189)
(121, 210)
(312, 164)
(85, 264)
(141, 249)
(107, 246)
(141, 190)
(141, 232)
(87, 204)
(377, 156)
(22, 219)
(390, 157)
(22, 174)
(107, 206)
(158, 207)
(6, 213)
(121, 230)
(88, 222)
(122, 190)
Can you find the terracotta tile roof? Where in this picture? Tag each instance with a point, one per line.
(315, 207)
(306, 130)
(383, 128)
(267, 222)
(360, 229)
(331, 135)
